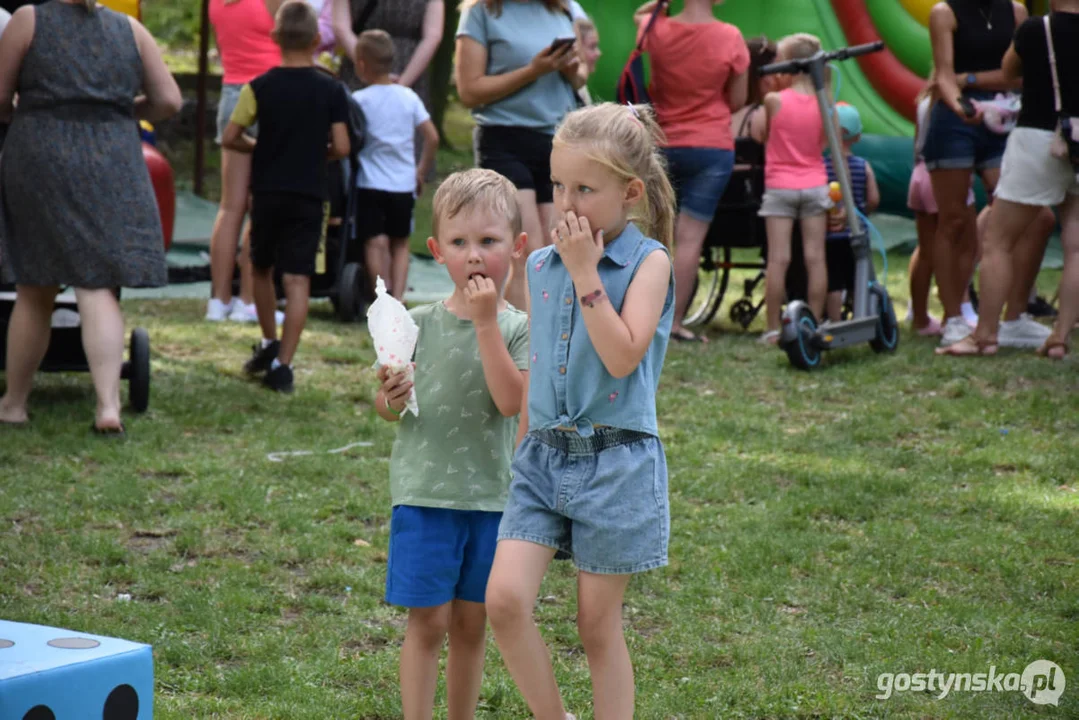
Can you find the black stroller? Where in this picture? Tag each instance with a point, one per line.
(66, 354)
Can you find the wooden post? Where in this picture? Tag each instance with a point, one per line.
(200, 102)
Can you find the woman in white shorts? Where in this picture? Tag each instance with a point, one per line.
(1033, 178)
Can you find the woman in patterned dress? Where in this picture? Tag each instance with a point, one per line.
(77, 205)
(414, 25)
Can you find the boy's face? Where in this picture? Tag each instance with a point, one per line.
(591, 190)
(476, 242)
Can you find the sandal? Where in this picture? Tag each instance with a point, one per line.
(688, 337)
(1053, 349)
(970, 346)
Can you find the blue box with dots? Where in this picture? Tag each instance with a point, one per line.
(53, 674)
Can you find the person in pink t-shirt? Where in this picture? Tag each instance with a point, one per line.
(699, 77)
(242, 29)
(795, 185)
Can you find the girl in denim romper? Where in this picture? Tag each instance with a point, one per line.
(590, 477)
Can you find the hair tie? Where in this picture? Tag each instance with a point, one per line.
(634, 114)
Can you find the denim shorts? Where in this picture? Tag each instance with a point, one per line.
(438, 555)
(951, 144)
(700, 177)
(601, 500)
(230, 95)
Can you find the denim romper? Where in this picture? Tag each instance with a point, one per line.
(590, 477)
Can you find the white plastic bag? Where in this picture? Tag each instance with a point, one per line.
(394, 333)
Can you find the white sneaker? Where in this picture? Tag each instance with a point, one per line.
(1026, 332)
(217, 311)
(955, 329)
(969, 315)
(249, 314)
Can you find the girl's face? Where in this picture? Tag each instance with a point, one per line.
(589, 50)
(592, 190)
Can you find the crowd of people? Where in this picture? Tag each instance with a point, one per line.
(572, 247)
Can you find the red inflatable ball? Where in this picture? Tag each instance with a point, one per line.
(164, 189)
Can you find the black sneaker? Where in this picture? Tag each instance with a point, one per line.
(262, 358)
(279, 379)
(1041, 307)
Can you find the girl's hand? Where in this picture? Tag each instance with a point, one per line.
(548, 62)
(482, 298)
(579, 249)
(395, 388)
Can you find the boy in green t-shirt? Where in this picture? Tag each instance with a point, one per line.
(450, 466)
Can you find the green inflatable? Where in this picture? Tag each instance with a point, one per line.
(887, 144)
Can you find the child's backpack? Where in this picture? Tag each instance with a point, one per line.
(632, 87)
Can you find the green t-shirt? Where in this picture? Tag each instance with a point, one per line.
(457, 453)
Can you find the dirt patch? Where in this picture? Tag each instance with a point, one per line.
(149, 540)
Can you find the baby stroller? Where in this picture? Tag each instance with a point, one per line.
(66, 354)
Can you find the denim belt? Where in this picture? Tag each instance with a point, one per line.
(570, 442)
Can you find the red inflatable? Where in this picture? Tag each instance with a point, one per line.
(164, 189)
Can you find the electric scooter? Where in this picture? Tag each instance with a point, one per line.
(873, 319)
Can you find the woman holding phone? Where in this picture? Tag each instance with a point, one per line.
(518, 70)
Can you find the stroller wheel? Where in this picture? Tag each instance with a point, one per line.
(138, 367)
(350, 293)
(743, 312)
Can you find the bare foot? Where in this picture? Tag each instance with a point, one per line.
(13, 416)
(969, 346)
(108, 420)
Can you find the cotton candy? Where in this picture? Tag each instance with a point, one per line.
(394, 333)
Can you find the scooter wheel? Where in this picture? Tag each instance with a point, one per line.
(887, 337)
(803, 351)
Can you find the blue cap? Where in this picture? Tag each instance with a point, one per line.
(849, 120)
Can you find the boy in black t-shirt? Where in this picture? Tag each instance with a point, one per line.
(299, 110)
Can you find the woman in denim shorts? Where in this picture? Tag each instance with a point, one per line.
(699, 77)
(969, 39)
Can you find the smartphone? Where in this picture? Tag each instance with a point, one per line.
(560, 43)
(968, 107)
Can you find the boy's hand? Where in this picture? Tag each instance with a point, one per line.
(837, 219)
(481, 294)
(420, 182)
(395, 388)
(580, 250)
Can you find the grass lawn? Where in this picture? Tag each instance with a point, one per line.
(885, 514)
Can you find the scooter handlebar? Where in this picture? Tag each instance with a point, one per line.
(800, 66)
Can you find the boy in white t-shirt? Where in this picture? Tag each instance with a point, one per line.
(389, 180)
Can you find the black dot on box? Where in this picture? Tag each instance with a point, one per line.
(39, 712)
(122, 704)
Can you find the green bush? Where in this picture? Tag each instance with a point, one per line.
(175, 23)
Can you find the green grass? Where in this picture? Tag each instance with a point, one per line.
(884, 514)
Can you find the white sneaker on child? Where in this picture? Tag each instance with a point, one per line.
(217, 311)
(955, 329)
(249, 314)
(1026, 332)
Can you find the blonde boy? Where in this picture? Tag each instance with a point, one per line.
(449, 468)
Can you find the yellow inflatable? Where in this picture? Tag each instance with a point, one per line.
(919, 9)
(128, 7)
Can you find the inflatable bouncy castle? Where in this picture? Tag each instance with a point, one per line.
(881, 85)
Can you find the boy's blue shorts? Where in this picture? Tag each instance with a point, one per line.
(438, 555)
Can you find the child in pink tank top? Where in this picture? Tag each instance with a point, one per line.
(795, 185)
